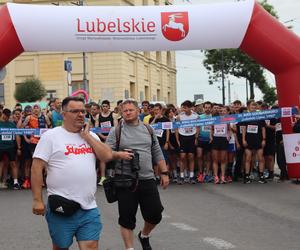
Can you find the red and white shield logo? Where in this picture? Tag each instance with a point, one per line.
(175, 25)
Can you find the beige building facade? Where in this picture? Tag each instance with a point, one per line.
(113, 76)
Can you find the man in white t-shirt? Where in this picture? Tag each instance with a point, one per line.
(69, 153)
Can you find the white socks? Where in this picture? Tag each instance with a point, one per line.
(130, 248)
(144, 236)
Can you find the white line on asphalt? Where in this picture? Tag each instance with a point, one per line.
(184, 227)
(165, 216)
(219, 243)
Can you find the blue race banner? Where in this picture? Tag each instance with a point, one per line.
(236, 118)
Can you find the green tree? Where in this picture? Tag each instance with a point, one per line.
(240, 65)
(30, 90)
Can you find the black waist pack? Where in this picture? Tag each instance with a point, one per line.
(111, 184)
(110, 190)
(62, 206)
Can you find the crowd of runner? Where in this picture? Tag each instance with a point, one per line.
(220, 153)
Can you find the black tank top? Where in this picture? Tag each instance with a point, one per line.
(106, 122)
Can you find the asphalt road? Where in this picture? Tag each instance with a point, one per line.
(207, 216)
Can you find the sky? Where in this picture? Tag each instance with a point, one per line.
(192, 77)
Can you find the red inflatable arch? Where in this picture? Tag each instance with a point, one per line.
(244, 25)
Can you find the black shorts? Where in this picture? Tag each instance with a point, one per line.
(32, 147)
(147, 197)
(254, 146)
(11, 153)
(219, 143)
(205, 145)
(187, 144)
(269, 149)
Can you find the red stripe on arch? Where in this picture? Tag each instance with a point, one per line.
(10, 45)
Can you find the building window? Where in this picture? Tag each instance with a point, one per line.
(132, 90)
(158, 95)
(142, 98)
(76, 85)
(2, 93)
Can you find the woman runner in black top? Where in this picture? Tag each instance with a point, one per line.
(254, 140)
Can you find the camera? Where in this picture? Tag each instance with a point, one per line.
(135, 161)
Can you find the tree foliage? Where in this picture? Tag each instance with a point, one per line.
(240, 65)
(30, 90)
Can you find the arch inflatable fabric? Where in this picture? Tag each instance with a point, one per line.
(82, 92)
(243, 24)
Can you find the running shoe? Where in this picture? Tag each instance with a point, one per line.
(16, 186)
(229, 179)
(206, 178)
(216, 180)
(200, 178)
(2, 185)
(247, 180)
(26, 184)
(262, 180)
(180, 181)
(223, 181)
(192, 180)
(100, 183)
(175, 180)
(144, 242)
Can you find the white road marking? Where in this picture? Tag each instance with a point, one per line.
(184, 227)
(165, 216)
(219, 243)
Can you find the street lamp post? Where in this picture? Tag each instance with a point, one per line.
(85, 85)
(223, 77)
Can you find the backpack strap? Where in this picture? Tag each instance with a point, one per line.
(118, 135)
(150, 130)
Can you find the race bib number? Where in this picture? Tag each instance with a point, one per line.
(158, 132)
(189, 130)
(219, 130)
(252, 129)
(278, 127)
(105, 124)
(7, 137)
(206, 128)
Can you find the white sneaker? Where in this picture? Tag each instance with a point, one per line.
(100, 183)
(2, 185)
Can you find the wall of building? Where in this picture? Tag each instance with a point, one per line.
(112, 76)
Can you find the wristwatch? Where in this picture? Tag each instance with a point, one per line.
(165, 173)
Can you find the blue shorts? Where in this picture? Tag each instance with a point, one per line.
(85, 225)
(231, 148)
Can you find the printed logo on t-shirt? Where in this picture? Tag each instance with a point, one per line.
(80, 150)
(252, 129)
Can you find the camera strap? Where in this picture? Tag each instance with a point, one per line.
(118, 132)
